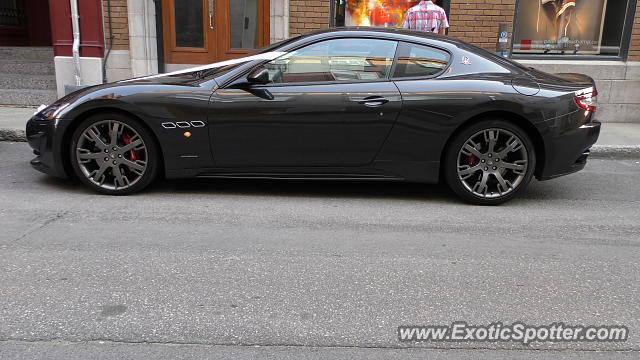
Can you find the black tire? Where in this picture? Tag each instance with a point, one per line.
(453, 154)
(151, 152)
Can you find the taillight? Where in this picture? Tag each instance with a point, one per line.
(586, 99)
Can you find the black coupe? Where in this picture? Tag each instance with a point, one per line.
(350, 103)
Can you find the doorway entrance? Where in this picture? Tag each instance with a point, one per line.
(206, 31)
(24, 23)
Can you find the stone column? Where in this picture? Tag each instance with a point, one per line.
(142, 37)
(279, 20)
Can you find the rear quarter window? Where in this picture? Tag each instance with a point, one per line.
(420, 61)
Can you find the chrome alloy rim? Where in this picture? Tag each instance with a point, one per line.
(492, 163)
(112, 155)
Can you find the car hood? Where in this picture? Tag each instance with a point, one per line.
(191, 77)
(186, 77)
(195, 74)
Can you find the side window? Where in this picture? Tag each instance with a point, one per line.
(419, 60)
(335, 60)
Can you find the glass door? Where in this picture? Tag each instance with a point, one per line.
(205, 31)
(247, 26)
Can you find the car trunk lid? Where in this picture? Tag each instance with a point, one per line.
(569, 81)
(581, 88)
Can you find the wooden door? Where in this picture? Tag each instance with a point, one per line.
(205, 31)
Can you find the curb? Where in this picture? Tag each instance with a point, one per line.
(13, 135)
(597, 151)
(615, 151)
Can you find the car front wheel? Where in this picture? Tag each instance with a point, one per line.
(113, 154)
(489, 162)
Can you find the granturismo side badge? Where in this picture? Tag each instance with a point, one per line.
(465, 60)
(183, 124)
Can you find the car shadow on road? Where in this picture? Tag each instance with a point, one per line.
(389, 190)
(68, 185)
(307, 188)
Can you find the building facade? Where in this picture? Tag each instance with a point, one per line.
(127, 38)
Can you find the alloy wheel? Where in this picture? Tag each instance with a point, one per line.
(111, 155)
(492, 163)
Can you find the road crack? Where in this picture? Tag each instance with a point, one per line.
(57, 216)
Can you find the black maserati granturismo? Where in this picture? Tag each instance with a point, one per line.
(348, 103)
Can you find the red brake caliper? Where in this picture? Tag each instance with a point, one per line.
(127, 140)
(472, 160)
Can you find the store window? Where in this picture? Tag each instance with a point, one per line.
(578, 28)
(380, 13)
(335, 60)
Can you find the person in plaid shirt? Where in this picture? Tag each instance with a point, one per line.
(426, 16)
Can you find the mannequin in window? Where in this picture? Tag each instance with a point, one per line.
(563, 11)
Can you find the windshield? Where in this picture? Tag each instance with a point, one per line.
(214, 68)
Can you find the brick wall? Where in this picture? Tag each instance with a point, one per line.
(473, 21)
(307, 15)
(120, 24)
(634, 46)
(476, 21)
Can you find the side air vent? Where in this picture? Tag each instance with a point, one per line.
(183, 124)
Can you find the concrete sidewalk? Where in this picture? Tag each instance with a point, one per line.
(616, 139)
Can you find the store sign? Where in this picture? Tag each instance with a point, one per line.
(559, 26)
(504, 37)
(384, 13)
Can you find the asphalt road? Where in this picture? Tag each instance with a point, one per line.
(310, 270)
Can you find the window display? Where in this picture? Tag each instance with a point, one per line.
(384, 13)
(569, 27)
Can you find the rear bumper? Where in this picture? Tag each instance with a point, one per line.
(567, 151)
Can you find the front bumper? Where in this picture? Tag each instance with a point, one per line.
(41, 137)
(567, 151)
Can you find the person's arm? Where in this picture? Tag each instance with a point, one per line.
(405, 22)
(444, 24)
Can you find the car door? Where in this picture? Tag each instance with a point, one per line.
(429, 102)
(330, 103)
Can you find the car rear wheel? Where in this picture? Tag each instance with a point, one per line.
(489, 162)
(113, 154)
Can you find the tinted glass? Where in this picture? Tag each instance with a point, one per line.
(417, 60)
(189, 27)
(244, 24)
(335, 60)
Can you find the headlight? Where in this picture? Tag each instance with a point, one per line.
(51, 111)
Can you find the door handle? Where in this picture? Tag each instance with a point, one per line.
(373, 101)
(211, 14)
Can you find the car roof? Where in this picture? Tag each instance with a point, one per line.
(396, 32)
(406, 34)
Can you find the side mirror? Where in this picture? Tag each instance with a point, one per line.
(259, 76)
